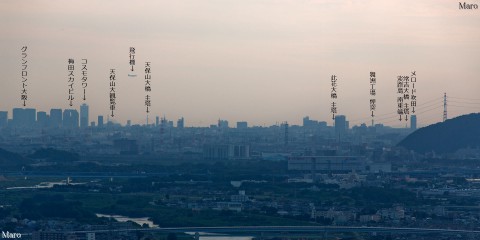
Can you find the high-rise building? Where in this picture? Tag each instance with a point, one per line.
(180, 123)
(24, 117)
(31, 116)
(56, 118)
(222, 123)
(100, 121)
(42, 119)
(17, 116)
(413, 122)
(157, 121)
(84, 120)
(306, 121)
(70, 118)
(309, 123)
(242, 125)
(3, 119)
(340, 125)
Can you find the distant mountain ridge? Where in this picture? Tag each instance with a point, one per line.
(446, 137)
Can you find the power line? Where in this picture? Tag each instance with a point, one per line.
(428, 106)
(437, 103)
(394, 118)
(395, 113)
(473, 99)
(477, 107)
(428, 110)
(478, 103)
(431, 100)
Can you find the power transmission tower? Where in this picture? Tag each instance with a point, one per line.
(445, 107)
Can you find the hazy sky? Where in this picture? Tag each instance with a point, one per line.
(261, 61)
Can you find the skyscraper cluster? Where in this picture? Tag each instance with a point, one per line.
(30, 118)
(67, 118)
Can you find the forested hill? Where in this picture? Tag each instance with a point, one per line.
(446, 137)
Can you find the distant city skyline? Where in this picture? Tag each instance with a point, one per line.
(79, 118)
(260, 62)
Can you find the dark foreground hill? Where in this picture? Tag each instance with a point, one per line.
(54, 155)
(446, 137)
(11, 159)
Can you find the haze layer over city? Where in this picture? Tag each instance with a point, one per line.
(258, 61)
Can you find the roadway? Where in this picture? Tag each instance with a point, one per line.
(258, 230)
